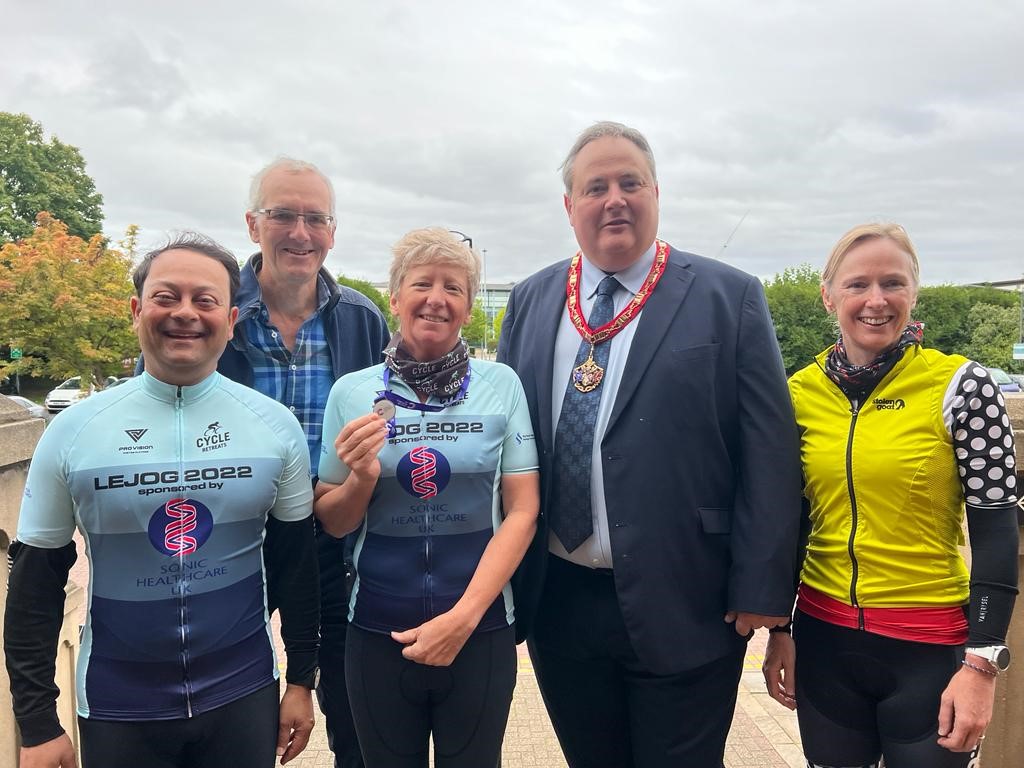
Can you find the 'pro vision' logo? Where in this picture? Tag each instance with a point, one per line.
(180, 527)
(424, 472)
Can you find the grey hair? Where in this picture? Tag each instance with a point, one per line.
(290, 165)
(600, 130)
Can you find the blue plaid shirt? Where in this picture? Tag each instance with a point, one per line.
(301, 379)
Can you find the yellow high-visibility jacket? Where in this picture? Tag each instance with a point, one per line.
(886, 502)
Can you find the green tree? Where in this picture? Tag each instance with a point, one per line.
(366, 288)
(944, 310)
(37, 176)
(802, 326)
(498, 320)
(64, 302)
(473, 333)
(993, 331)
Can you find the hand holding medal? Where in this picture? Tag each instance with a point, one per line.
(359, 443)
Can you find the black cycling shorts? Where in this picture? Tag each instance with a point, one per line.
(242, 733)
(398, 704)
(860, 696)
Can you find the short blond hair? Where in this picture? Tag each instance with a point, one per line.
(870, 231)
(434, 245)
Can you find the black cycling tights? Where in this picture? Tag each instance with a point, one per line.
(861, 696)
(398, 704)
(242, 733)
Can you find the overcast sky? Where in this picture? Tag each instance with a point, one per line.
(806, 116)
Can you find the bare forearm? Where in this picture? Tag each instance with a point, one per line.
(499, 561)
(341, 508)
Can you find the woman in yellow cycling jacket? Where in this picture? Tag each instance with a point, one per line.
(897, 645)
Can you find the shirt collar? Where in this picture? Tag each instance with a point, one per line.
(323, 297)
(631, 278)
(169, 392)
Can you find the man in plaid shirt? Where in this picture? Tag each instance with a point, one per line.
(297, 332)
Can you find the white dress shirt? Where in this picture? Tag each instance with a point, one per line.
(596, 551)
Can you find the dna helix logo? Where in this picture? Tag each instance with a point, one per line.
(424, 472)
(180, 527)
(183, 522)
(426, 468)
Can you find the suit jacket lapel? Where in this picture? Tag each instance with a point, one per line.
(659, 311)
(548, 312)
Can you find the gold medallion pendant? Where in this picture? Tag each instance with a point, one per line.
(587, 376)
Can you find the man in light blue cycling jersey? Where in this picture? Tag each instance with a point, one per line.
(193, 496)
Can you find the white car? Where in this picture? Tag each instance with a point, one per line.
(35, 410)
(69, 393)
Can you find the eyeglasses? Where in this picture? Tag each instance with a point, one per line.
(465, 238)
(282, 217)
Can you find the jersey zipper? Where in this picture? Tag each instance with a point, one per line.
(428, 580)
(179, 416)
(855, 411)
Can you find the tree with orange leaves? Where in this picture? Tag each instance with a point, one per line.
(64, 303)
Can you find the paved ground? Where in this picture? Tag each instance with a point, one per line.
(763, 735)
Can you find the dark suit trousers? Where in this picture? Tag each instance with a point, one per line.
(607, 709)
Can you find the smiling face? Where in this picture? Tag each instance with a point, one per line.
(183, 316)
(613, 207)
(292, 254)
(871, 293)
(432, 306)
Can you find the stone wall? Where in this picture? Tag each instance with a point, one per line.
(1004, 744)
(18, 437)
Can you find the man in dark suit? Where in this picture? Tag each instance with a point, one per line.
(670, 474)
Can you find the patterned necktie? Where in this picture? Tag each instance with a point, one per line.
(571, 517)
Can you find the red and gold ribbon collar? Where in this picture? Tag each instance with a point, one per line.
(588, 375)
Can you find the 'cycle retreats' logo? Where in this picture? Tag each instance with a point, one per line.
(180, 527)
(213, 438)
(424, 472)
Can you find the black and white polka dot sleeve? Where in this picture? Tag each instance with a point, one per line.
(983, 443)
(982, 438)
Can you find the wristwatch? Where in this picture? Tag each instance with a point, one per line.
(996, 655)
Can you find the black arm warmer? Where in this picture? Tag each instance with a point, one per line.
(993, 572)
(32, 622)
(289, 553)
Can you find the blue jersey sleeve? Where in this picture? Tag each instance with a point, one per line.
(47, 517)
(519, 450)
(294, 492)
(337, 414)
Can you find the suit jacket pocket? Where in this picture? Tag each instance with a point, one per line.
(696, 352)
(695, 368)
(715, 519)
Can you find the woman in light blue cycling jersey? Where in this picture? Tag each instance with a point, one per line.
(431, 456)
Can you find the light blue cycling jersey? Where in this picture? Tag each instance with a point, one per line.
(437, 502)
(171, 488)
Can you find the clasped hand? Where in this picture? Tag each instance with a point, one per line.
(436, 642)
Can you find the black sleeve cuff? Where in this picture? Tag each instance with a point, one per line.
(302, 668)
(39, 728)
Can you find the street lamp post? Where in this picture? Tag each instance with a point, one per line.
(467, 239)
(487, 305)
